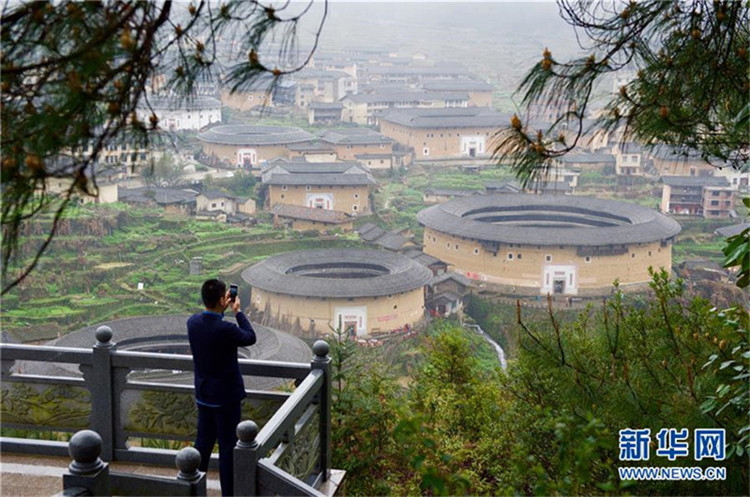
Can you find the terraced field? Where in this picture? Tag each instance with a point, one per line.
(86, 278)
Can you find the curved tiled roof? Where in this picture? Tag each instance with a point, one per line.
(134, 332)
(548, 220)
(242, 134)
(338, 273)
(449, 117)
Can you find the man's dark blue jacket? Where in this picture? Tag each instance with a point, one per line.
(214, 343)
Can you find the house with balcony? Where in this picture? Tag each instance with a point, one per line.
(705, 196)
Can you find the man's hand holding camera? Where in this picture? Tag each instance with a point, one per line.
(234, 303)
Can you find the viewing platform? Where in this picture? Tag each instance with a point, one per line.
(128, 429)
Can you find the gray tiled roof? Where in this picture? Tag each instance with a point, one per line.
(395, 96)
(373, 156)
(454, 117)
(666, 152)
(392, 241)
(369, 232)
(326, 105)
(214, 194)
(548, 220)
(422, 258)
(452, 192)
(457, 85)
(353, 136)
(162, 196)
(310, 214)
(288, 273)
(318, 173)
(502, 186)
(311, 72)
(272, 345)
(419, 71)
(313, 146)
(695, 181)
(587, 158)
(630, 148)
(451, 275)
(733, 229)
(243, 134)
(446, 296)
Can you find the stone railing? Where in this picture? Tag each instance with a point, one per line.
(289, 454)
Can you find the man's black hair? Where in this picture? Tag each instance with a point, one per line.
(212, 291)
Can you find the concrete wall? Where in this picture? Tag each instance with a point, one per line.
(307, 316)
(350, 199)
(470, 258)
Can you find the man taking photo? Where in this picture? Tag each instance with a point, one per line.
(219, 388)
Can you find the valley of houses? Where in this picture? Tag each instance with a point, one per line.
(371, 113)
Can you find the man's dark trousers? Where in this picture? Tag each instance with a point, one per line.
(219, 422)
(219, 387)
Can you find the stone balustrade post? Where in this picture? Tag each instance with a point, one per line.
(246, 459)
(188, 460)
(87, 471)
(322, 361)
(100, 385)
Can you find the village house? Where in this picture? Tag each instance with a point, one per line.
(367, 108)
(214, 200)
(479, 92)
(172, 200)
(670, 162)
(175, 114)
(445, 294)
(315, 85)
(587, 161)
(629, 159)
(393, 241)
(258, 93)
(450, 133)
(339, 63)
(302, 218)
(338, 186)
(324, 112)
(435, 265)
(705, 196)
(739, 179)
(348, 143)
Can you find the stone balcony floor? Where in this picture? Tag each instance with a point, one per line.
(27, 475)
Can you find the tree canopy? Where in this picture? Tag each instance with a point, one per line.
(74, 74)
(689, 88)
